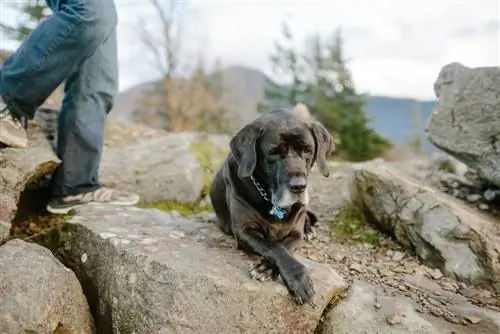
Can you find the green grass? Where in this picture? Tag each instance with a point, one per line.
(351, 225)
(210, 157)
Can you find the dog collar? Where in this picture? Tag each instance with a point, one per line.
(276, 211)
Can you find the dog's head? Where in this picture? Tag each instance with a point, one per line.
(280, 148)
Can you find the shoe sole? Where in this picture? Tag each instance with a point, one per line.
(67, 209)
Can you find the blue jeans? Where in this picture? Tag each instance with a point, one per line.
(75, 46)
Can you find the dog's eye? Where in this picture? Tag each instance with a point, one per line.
(308, 150)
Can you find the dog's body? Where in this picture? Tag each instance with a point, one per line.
(267, 170)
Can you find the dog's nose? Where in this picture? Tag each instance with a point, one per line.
(297, 184)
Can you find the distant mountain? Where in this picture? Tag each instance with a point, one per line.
(395, 118)
(244, 87)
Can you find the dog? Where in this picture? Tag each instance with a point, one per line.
(260, 193)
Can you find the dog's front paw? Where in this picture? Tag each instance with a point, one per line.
(300, 284)
(264, 270)
(309, 233)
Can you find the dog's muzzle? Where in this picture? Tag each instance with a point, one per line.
(297, 184)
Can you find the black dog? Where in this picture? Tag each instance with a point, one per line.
(260, 193)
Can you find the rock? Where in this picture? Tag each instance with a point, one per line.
(151, 272)
(490, 194)
(368, 310)
(175, 167)
(38, 294)
(357, 314)
(473, 198)
(466, 119)
(444, 233)
(18, 168)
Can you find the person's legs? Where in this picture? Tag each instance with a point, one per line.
(47, 57)
(89, 96)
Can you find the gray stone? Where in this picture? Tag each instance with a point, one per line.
(466, 119)
(38, 294)
(473, 198)
(18, 168)
(368, 310)
(174, 167)
(152, 272)
(444, 233)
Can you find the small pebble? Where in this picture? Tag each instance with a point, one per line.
(490, 195)
(483, 206)
(473, 198)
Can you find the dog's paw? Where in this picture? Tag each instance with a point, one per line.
(309, 233)
(300, 285)
(264, 270)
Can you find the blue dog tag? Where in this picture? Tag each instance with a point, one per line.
(277, 212)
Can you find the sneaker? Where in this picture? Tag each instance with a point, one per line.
(13, 133)
(63, 205)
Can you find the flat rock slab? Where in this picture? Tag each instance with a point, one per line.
(368, 310)
(466, 119)
(149, 271)
(19, 167)
(169, 168)
(445, 233)
(38, 294)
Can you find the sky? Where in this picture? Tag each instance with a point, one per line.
(396, 47)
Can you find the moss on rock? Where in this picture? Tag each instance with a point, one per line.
(210, 157)
(41, 228)
(351, 225)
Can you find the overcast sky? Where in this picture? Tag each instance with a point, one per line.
(397, 46)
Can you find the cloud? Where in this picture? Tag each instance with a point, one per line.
(397, 46)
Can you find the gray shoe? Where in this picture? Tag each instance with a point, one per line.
(12, 130)
(63, 205)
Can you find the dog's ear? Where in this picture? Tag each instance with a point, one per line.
(244, 148)
(312, 217)
(324, 146)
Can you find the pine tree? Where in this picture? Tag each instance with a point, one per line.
(288, 63)
(341, 109)
(32, 13)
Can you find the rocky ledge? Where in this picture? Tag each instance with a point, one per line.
(427, 262)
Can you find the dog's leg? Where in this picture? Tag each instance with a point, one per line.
(292, 272)
(217, 196)
(309, 231)
(264, 269)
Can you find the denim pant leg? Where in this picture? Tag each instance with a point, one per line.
(55, 50)
(90, 93)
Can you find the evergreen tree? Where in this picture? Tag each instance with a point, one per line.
(341, 109)
(287, 63)
(32, 13)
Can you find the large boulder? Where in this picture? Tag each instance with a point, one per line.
(174, 167)
(367, 309)
(38, 294)
(443, 232)
(148, 271)
(20, 167)
(466, 119)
